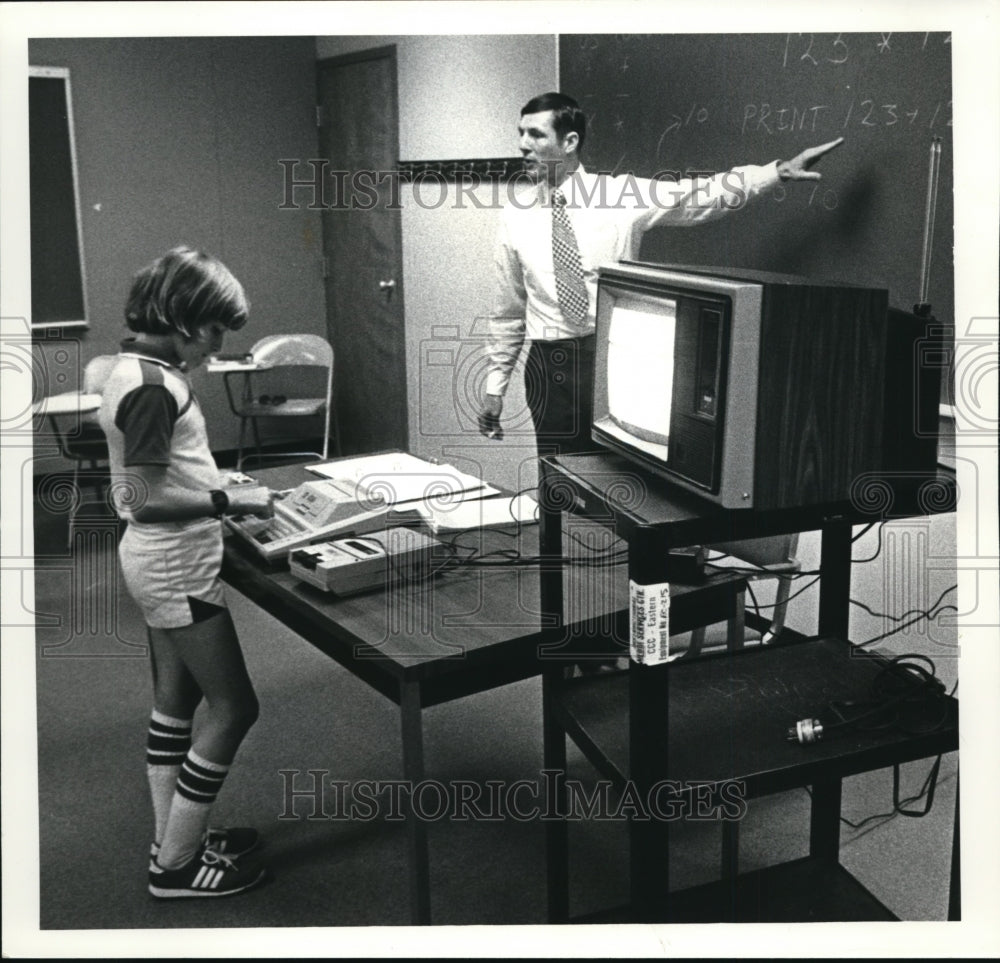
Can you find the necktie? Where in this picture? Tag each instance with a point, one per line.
(570, 287)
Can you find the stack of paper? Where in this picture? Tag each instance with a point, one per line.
(475, 513)
(398, 477)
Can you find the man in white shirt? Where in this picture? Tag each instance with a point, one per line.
(546, 270)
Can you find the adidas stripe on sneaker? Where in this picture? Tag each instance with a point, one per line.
(209, 873)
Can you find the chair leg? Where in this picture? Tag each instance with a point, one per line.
(780, 610)
(696, 643)
(736, 624)
(73, 505)
(239, 450)
(335, 428)
(256, 438)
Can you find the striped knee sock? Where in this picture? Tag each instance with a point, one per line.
(197, 786)
(167, 744)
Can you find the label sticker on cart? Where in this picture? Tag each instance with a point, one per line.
(649, 623)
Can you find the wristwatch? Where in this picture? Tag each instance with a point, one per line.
(220, 501)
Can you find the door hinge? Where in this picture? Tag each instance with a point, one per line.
(319, 115)
(326, 267)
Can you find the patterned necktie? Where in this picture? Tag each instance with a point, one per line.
(570, 286)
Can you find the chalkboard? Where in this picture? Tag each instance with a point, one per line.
(663, 103)
(57, 288)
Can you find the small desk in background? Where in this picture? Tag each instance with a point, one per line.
(234, 367)
(67, 403)
(73, 423)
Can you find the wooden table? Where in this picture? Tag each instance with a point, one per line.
(463, 632)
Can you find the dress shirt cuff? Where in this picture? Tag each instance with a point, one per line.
(506, 337)
(769, 176)
(497, 381)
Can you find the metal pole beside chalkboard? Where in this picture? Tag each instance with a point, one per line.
(923, 308)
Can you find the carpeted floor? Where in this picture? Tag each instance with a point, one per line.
(95, 820)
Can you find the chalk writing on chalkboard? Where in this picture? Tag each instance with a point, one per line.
(808, 48)
(768, 118)
(671, 105)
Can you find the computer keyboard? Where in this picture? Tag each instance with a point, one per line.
(308, 513)
(278, 528)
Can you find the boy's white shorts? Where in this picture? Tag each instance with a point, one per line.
(172, 571)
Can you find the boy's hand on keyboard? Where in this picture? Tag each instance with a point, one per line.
(257, 500)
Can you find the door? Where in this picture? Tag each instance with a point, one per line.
(362, 243)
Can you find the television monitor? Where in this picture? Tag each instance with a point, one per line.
(757, 390)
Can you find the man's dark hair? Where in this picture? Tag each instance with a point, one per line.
(568, 116)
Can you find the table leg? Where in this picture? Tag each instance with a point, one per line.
(550, 547)
(834, 618)
(649, 839)
(824, 832)
(413, 773)
(649, 716)
(554, 738)
(556, 830)
(955, 887)
(736, 629)
(835, 582)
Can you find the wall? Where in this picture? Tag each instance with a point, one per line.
(177, 141)
(459, 97)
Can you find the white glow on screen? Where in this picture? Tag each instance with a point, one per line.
(641, 366)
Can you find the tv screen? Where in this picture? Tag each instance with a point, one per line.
(641, 339)
(755, 391)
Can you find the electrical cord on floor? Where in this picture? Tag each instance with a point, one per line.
(864, 531)
(758, 608)
(878, 547)
(899, 618)
(932, 613)
(926, 791)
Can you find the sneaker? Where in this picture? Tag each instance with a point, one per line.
(234, 842)
(209, 873)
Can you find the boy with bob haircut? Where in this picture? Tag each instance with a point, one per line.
(167, 488)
